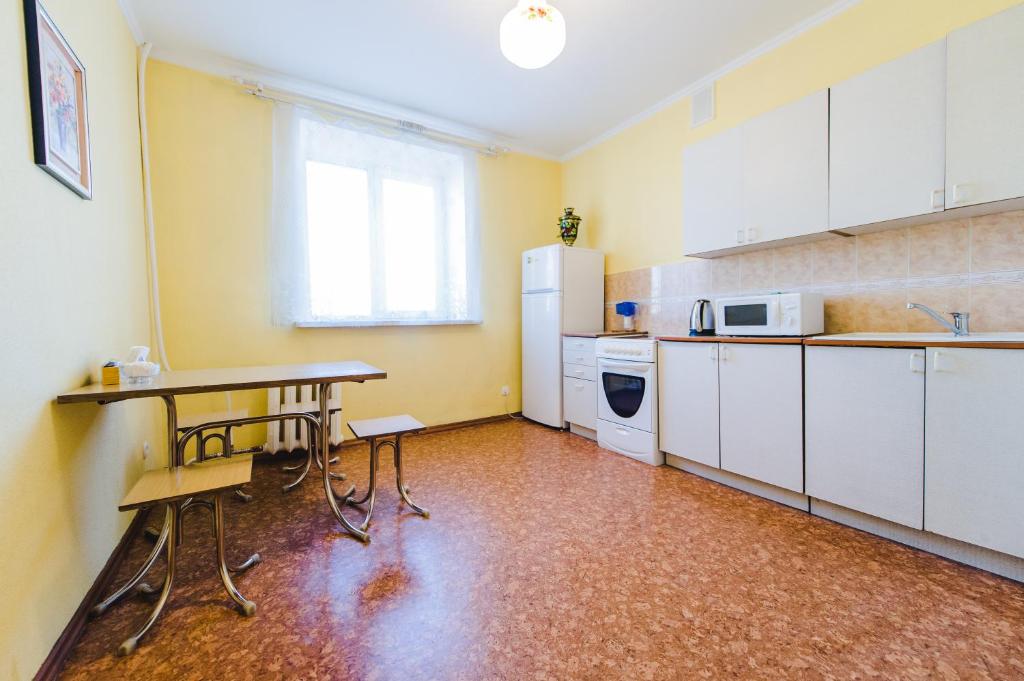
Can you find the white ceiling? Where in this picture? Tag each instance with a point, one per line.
(441, 57)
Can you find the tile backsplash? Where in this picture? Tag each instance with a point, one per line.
(971, 265)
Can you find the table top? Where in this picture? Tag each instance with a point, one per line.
(221, 380)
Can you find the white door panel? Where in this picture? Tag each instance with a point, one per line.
(761, 415)
(580, 402)
(785, 171)
(712, 175)
(542, 269)
(887, 139)
(688, 401)
(984, 110)
(974, 452)
(865, 430)
(542, 358)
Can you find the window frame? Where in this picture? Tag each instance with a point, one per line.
(377, 174)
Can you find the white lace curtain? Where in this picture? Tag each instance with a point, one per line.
(370, 227)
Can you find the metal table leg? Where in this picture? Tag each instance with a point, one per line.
(247, 606)
(403, 490)
(135, 579)
(371, 492)
(131, 643)
(324, 446)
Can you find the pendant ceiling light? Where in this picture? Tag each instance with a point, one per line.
(532, 34)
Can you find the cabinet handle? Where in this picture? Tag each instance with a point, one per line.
(938, 364)
(751, 234)
(578, 372)
(712, 352)
(917, 362)
(739, 236)
(938, 198)
(723, 353)
(959, 195)
(579, 388)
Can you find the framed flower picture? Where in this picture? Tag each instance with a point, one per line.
(56, 86)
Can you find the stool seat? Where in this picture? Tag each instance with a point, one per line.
(387, 425)
(187, 481)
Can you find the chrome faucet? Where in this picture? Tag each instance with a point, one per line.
(961, 325)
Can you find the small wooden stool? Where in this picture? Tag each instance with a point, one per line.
(179, 488)
(378, 432)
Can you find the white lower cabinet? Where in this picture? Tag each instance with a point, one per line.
(688, 403)
(761, 412)
(865, 430)
(580, 401)
(974, 448)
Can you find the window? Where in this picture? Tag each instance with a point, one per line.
(370, 229)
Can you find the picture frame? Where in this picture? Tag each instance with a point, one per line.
(57, 97)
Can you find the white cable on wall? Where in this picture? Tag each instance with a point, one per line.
(147, 193)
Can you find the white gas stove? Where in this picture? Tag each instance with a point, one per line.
(627, 398)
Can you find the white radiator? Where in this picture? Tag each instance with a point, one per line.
(288, 436)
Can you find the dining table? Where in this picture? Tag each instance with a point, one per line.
(169, 385)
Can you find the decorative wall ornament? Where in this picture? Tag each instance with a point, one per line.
(56, 86)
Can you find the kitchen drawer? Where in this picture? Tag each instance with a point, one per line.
(581, 371)
(580, 402)
(583, 346)
(581, 357)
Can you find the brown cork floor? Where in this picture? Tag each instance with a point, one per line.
(548, 558)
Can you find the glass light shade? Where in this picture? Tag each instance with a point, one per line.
(532, 34)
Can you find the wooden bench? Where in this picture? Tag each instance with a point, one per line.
(379, 432)
(181, 488)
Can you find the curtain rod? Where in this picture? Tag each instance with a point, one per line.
(285, 97)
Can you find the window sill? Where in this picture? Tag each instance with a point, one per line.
(388, 322)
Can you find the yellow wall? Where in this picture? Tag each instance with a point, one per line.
(211, 153)
(73, 275)
(629, 188)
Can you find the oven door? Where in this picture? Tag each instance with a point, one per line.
(626, 393)
(748, 316)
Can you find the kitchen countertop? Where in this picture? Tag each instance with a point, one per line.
(761, 340)
(606, 334)
(999, 341)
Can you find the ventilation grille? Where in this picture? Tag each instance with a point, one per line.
(703, 108)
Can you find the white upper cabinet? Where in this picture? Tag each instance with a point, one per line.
(985, 110)
(711, 193)
(974, 455)
(887, 137)
(785, 171)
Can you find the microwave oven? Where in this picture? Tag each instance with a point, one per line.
(771, 314)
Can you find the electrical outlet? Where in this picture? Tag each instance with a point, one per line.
(505, 391)
(146, 450)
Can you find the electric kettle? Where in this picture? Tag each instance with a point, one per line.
(702, 318)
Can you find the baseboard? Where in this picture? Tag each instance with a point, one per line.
(583, 431)
(979, 557)
(455, 425)
(762, 489)
(54, 662)
(439, 428)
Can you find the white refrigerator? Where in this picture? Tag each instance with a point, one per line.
(563, 292)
